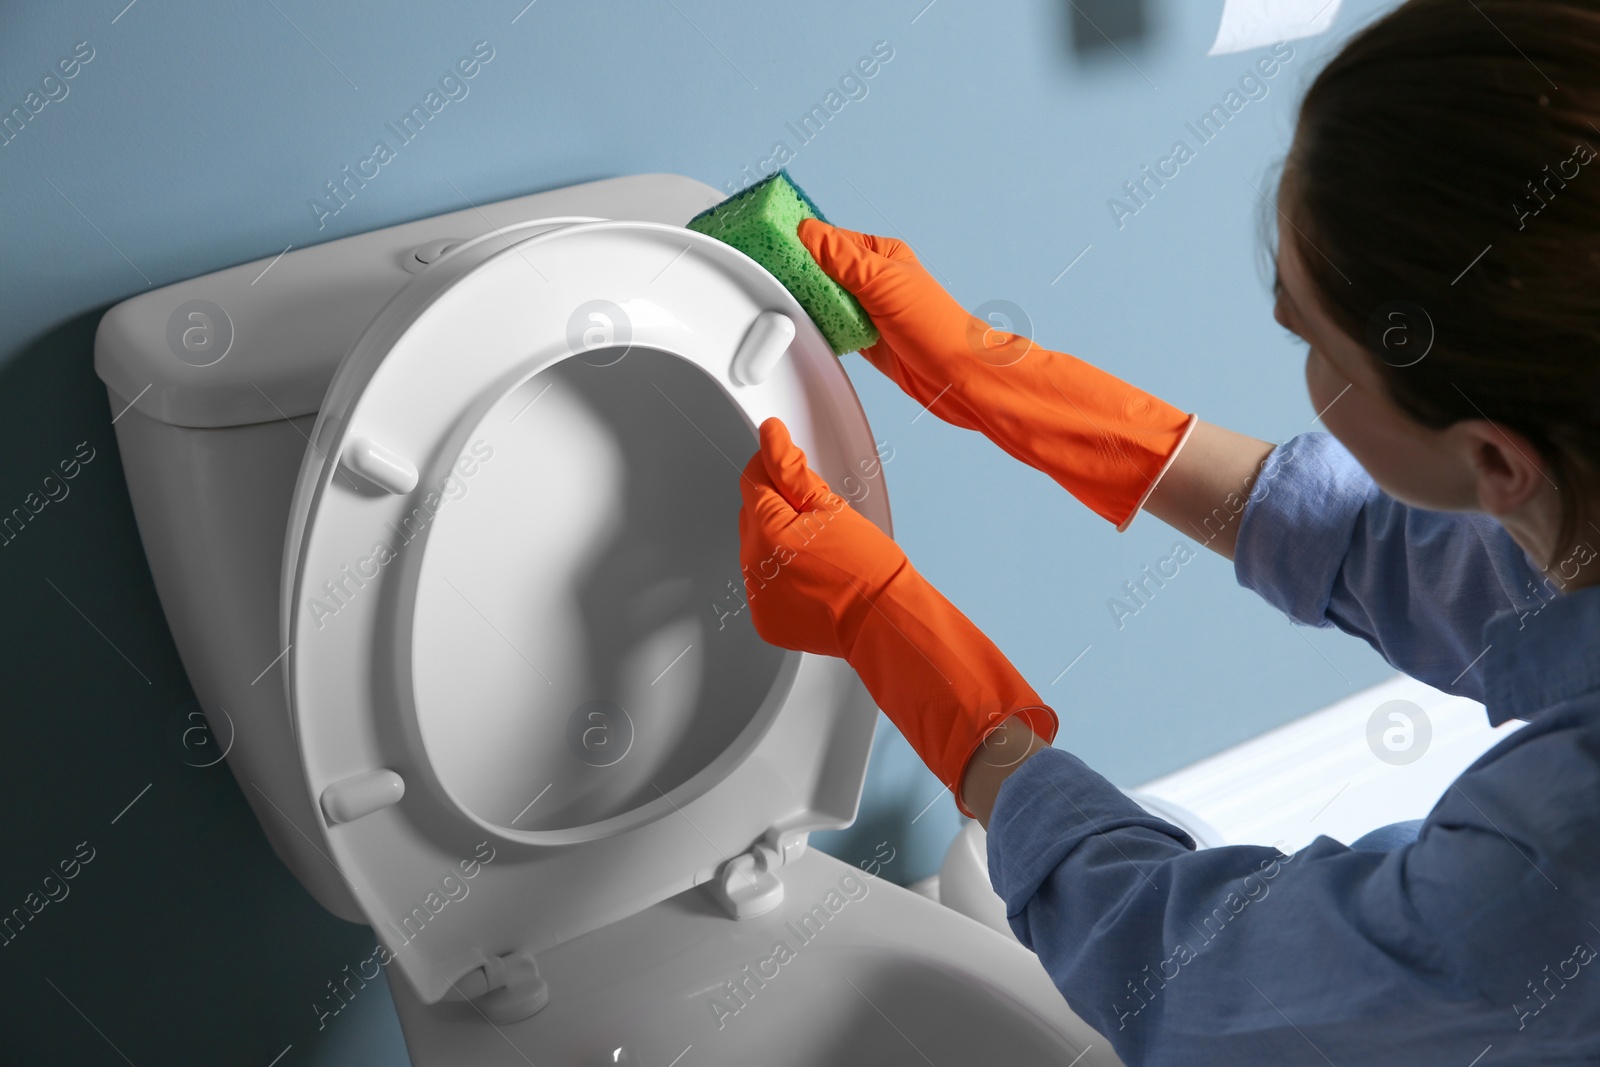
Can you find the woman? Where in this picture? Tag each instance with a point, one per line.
(1440, 254)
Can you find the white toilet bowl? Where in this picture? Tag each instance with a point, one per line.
(443, 519)
(888, 977)
(963, 879)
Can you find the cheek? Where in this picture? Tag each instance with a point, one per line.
(1346, 414)
(1325, 385)
(1395, 453)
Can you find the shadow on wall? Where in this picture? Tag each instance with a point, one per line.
(1106, 25)
(143, 916)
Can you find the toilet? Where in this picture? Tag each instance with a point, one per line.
(443, 520)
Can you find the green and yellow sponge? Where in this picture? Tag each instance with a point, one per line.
(761, 222)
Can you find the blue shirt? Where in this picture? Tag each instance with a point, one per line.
(1478, 939)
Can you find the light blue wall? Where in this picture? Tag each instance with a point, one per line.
(194, 139)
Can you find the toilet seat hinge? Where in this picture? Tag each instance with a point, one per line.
(506, 988)
(747, 885)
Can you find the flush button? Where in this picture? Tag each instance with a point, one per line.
(764, 344)
(383, 467)
(424, 254)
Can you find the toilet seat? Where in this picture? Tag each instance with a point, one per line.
(419, 730)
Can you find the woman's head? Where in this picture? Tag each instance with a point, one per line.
(1440, 249)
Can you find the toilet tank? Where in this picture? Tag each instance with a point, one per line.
(214, 385)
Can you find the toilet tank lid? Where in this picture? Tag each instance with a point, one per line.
(260, 341)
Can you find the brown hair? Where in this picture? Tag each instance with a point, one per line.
(1447, 159)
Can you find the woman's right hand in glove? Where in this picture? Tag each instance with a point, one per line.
(1104, 441)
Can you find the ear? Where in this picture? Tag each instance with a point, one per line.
(1508, 469)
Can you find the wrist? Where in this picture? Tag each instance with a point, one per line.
(999, 754)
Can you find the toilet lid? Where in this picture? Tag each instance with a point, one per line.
(522, 675)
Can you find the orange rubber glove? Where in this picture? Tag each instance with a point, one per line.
(822, 578)
(1104, 441)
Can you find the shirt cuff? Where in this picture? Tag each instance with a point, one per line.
(1296, 528)
(1044, 810)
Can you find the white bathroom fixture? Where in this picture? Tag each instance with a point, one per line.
(443, 520)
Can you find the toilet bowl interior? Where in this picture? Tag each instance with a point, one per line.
(893, 1009)
(586, 580)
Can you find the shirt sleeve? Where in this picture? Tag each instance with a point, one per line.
(1321, 542)
(1241, 954)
